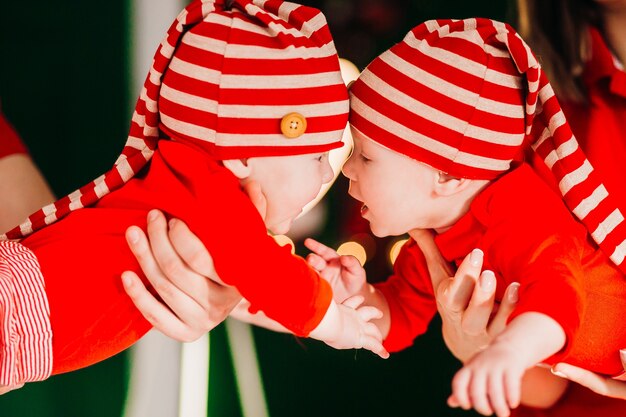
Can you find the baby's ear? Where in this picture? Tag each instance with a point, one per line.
(447, 185)
(239, 167)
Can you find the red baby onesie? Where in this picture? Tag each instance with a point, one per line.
(83, 255)
(528, 236)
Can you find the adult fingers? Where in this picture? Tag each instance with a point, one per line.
(322, 250)
(455, 294)
(191, 249)
(185, 302)
(507, 305)
(476, 316)
(601, 385)
(159, 316)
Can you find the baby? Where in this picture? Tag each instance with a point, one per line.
(248, 91)
(443, 123)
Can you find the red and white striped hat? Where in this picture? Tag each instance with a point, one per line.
(236, 79)
(469, 98)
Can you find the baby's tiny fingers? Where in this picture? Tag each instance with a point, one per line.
(350, 262)
(513, 388)
(368, 313)
(372, 330)
(478, 394)
(374, 345)
(460, 384)
(453, 402)
(497, 396)
(320, 249)
(354, 301)
(316, 261)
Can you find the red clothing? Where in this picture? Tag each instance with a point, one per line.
(578, 401)
(600, 128)
(10, 142)
(527, 235)
(83, 255)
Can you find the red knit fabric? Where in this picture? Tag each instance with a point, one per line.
(469, 98)
(527, 236)
(10, 142)
(222, 80)
(91, 315)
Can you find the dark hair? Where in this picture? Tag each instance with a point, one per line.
(558, 33)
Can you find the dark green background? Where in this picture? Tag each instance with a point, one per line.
(64, 85)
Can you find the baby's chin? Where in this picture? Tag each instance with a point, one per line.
(281, 228)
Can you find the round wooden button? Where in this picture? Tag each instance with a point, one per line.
(293, 125)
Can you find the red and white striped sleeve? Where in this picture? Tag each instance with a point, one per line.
(25, 330)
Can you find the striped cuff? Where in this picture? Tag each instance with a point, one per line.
(25, 330)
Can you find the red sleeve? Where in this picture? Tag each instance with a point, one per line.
(281, 285)
(544, 256)
(409, 294)
(10, 142)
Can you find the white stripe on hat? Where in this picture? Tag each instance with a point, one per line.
(276, 139)
(567, 148)
(454, 91)
(619, 254)
(277, 82)
(425, 142)
(277, 112)
(189, 129)
(194, 71)
(437, 116)
(230, 50)
(575, 177)
(590, 203)
(101, 189)
(607, 226)
(464, 64)
(75, 200)
(189, 100)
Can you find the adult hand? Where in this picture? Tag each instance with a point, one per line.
(4, 389)
(597, 383)
(465, 301)
(181, 271)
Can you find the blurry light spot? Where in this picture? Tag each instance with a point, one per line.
(367, 241)
(354, 249)
(395, 250)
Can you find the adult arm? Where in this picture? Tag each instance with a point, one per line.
(22, 187)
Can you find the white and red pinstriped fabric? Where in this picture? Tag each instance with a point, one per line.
(221, 80)
(26, 334)
(469, 98)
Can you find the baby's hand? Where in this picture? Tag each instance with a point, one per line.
(357, 330)
(349, 326)
(490, 382)
(345, 274)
